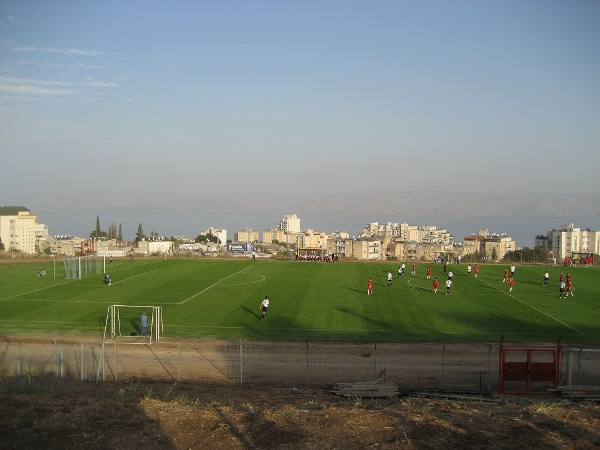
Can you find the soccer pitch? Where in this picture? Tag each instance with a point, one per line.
(309, 301)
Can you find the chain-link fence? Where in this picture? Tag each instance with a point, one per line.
(450, 366)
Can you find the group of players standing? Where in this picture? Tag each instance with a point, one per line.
(565, 286)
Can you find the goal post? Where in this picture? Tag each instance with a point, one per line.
(126, 322)
(76, 268)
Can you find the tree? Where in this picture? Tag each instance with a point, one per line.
(206, 238)
(1, 245)
(120, 235)
(112, 231)
(140, 233)
(527, 254)
(97, 233)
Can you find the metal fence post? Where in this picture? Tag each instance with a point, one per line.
(116, 359)
(19, 365)
(444, 366)
(241, 364)
(490, 368)
(55, 354)
(569, 367)
(82, 373)
(376, 359)
(178, 361)
(307, 375)
(62, 366)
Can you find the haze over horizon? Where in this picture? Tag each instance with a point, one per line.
(355, 109)
(461, 214)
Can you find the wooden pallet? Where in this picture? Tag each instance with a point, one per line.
(590, 393)
(474, 396)
(367, 389)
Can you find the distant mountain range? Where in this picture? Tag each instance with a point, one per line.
(374, 205)
(456, 204)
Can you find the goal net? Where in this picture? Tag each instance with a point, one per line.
(75, 268)
(137, 324)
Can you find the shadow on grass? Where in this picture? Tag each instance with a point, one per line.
(249, 311)
(355, 290)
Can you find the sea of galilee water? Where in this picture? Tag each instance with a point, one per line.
(522, 230)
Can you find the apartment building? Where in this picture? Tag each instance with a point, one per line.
(364, 249)
(418, 251)
(19, 229)
(491, 246)
(274, 234)
(67, 245)
(406, 232)
(570, 239)
(290, 224)
(311, 239)
(377, 229)
(220, 234)
(246, 235)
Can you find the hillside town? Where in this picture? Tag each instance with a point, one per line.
(22, 235)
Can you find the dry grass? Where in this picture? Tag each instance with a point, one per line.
(184, 416)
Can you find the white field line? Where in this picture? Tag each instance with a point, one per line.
(135, 276)
(262, 278)
(75, 284)
(120, 269)
(35, 290)
(533, 307)
(211, 286)
(43, 321)
(20, 283)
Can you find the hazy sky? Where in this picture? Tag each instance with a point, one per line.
(127, 102)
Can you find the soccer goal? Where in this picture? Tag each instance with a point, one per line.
(126, 322)
(75, 268)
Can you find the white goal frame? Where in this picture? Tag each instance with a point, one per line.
(75, 268)
(112, 326)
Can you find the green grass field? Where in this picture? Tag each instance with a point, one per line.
(309, 301)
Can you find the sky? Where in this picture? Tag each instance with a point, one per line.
(116, 105)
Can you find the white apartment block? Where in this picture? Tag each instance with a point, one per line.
(377, 229)
(154, 247)
(290, 224)
(218, 233)
(409, 233)
(19, 229)
(571, 239)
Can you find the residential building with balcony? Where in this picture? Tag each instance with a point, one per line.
(19, 230)
(571, 239)
(491, 246)
(290, 224)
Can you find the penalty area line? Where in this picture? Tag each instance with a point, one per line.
(35, 290)
(211, 286)
(135, 276)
